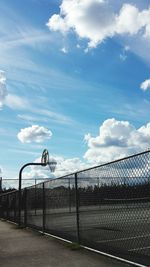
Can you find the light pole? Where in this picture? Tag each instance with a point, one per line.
(44, 162)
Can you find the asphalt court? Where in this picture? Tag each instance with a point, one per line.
(125, 228)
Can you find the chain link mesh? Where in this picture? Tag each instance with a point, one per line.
(106, 208)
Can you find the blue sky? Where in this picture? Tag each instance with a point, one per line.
(75, 79)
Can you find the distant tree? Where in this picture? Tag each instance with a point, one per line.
(10, 189)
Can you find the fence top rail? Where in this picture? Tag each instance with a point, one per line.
(88, 169)
(24, 179)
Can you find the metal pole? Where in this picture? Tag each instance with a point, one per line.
(77, 208)
(35, 198)
(69, 195)
(0, 206)
(0, 197)
(15, 204)
(20, 180)
(98, 195)
(44, 206)
(7, 207)
(25, 207)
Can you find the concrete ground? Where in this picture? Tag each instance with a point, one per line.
(27, 248)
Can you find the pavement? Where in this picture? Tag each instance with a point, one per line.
(123, 231)
(28, 248)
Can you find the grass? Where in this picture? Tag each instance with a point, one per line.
(73, 246)
(20, 227)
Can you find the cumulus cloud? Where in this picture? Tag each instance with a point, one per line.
(116, 139)
(3, 89)
(70, 165)
(96, 20)
(35, 133)
(145, 85)
(64, 166)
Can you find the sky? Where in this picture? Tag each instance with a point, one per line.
(75, 79)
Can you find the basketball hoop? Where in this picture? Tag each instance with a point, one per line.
(52, 164)
(45, 157)
(45, 160)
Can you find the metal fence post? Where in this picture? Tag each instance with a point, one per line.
(0, 207)
(77, 208)
(44, 206)
(35, 199)
(7, 213)
(15, 203)
(69, 195)
(25, 207)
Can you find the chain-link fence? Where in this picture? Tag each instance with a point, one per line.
(13, 183)
(106, 208)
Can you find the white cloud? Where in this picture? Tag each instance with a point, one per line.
(53, 115)
(3, 89)
(57, 23)
(44, 115)
(16, 102)
(145, 85)
(64, 50)
(30, 118)
(11, 100)
(64, 166)
(97, 20)
(116, 139)
(77, 15)
(35, 133)
(123, 55)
